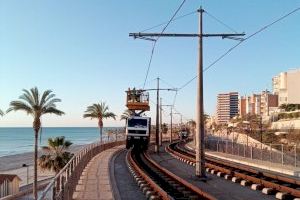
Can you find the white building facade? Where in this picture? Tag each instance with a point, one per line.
(286, 86)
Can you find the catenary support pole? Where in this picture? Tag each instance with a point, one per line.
(160, 123)
(157, 119)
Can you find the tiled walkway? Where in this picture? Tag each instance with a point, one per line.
(94, 182)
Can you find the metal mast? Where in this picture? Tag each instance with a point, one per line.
(200, 171)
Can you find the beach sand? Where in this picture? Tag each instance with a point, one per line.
(13, 165)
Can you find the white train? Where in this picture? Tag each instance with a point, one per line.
(138, 132)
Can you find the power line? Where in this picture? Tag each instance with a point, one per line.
(149, 64)
(154, 44)
(175, 19)
(218, 20)
(167, 83)
(236, 45)
(174, 100)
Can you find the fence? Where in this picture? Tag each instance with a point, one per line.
(286, 155)
(63, 184)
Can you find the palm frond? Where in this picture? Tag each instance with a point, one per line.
(1, 113)
(52, 110)
(56, 156)
(35, 94)
(51, 103)
(126, 114)
(44, 97)
(31, 103)
(27, 97)
(109, 115)
(19, 105)
(90, 115)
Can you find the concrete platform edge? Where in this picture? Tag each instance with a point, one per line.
(112, 180)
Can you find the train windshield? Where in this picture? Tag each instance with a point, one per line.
(137, 123)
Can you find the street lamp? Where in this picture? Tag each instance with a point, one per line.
(229, 129)
(247, 128)
(27, 166)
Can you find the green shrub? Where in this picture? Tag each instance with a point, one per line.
(290, 115)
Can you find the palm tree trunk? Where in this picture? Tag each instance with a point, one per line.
(35, 163)
(36, 127)
(100, 125)
(100, 128)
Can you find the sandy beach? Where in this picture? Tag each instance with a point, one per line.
(13, 165)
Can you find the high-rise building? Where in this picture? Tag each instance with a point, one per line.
(227, 106)
(286, 86)
(242, 105)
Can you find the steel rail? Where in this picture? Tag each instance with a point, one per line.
(188, 185)
(235, 170)
(160, 192)
(195, 191)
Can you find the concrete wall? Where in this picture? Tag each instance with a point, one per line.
(286, 124)
(293, 82)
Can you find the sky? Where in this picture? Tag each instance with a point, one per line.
(81, 50)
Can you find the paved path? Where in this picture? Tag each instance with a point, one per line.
(94, 182)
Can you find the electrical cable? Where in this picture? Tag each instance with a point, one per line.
(218, 20)
(154, 44)
(236, 45)
(175, 19)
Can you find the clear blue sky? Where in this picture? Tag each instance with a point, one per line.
(81, 50)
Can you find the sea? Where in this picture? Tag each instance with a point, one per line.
(21, 140)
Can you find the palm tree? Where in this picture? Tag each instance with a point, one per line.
(99, 111)
(126, 114)
(1, 113)
(35, 105)
(57, 155)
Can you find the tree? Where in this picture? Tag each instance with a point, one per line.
(126, 114)
(56, 154)
(289, 107)
(99, 111)
(1, 113)
(191, 124)
(35, 105)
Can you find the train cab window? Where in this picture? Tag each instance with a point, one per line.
(137, 123)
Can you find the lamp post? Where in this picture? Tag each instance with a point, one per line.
(27, 177)
(247, 128)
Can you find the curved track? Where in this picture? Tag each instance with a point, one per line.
(158, 183)
(284, 187)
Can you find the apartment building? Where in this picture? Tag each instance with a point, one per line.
(286, 86)
(258, 104)
(227, 106)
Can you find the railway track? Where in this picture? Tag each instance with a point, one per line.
(281, 186)
(158, 183)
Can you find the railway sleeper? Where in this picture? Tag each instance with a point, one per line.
(245, 183)
(283, 196)
(256, 187)
(268, 191)
(236, 179)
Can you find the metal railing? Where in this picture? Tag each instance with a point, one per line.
(286, 155)
(63, 184)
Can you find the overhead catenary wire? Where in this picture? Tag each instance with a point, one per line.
(239, 43)
(154, 43)
(175, 19)
(221, 22)
(167, 83)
